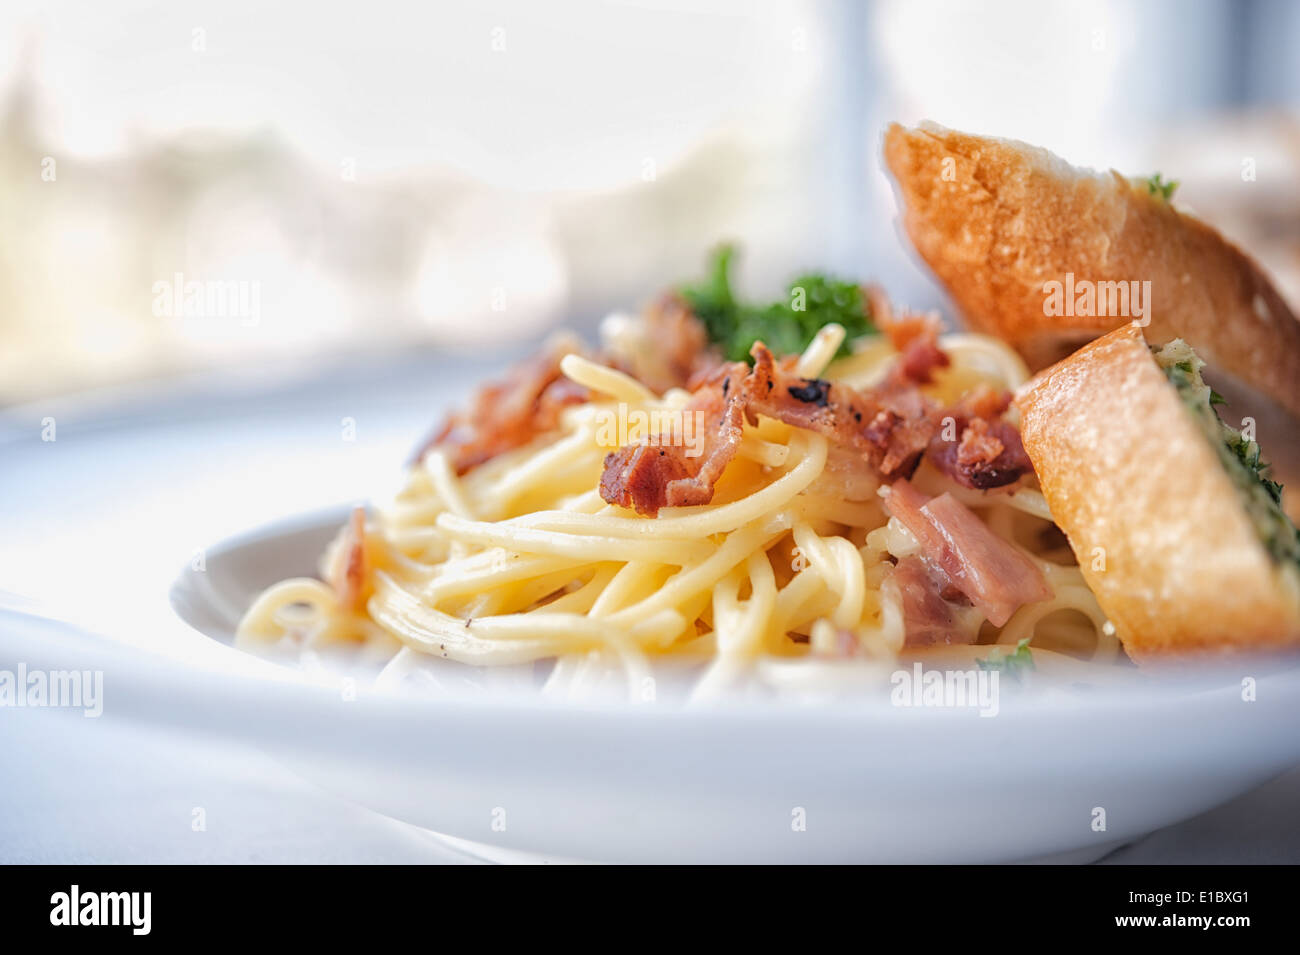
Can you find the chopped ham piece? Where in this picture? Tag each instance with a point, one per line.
(928, 619)
(995, 576)
(511, 413)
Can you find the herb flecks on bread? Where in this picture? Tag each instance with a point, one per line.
(1184, 555)
(1238, 451)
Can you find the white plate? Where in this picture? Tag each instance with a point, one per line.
(97, 523)
(874, 782)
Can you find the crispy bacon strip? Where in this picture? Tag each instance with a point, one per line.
(646, 477)
(995, 576)
(889, 425)
(509, 414)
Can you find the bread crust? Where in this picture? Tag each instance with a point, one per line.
(998, 219)
(1155, 522)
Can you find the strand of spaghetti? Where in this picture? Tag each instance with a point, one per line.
(715, 520)
(868, 364)
(854, 596)
(816, 507)
(767, 453)
(822, 603)
(631, 579)
(747, 641)
(793, 596)
(820, 351)
(414, 555)
(728, 618)
(1030, 502)
(581, 600)
(415, 512)
(533, 471)
(588, 502)
(530, 595)
(1024, 621)
(998, 359)
(840, 565)
(507, 638)
(501, 568)
(885, 639)
(688, 580)
(504, 638)
(1025, 500)
(606, 380)
(259, 623)
(446, 484)
(531, 540)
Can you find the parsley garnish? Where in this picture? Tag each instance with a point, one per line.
(785, 326)
(1018, 661)
(1247, 452)
(1157, 186)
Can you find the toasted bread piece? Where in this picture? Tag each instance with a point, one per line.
(1157, 524)
(997, 220)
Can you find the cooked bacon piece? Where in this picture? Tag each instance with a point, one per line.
(646, 478)
(887, 427)
(993, 574)
(919, 359)
(890, 425)
(639, 475)
(978, 445)
(665, 347)
(987, 452)
(350, 570)
(509, 414)
(914, 336)
(928, 619)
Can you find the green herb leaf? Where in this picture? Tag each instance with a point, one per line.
(1015, 663)
(1157, 186)
(786, 326)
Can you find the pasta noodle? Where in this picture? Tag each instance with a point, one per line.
(520, 561)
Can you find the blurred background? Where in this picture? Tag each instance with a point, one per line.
(269, 190)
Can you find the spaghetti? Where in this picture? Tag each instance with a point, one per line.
(782, 580)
